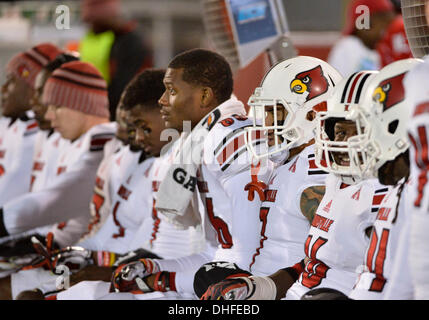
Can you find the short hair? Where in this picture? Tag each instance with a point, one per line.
(206, 68)
(144, 89)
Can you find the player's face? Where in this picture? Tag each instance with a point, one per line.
(122, 129)
(343, 130)
(37, 106)
(68, 122)
(147, 124)
(269, 121)
(15, 94)
(180, 101)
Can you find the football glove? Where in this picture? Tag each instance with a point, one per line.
(130, 277)
(240, 288)
(75, 258)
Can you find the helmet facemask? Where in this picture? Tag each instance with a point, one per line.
(347, 159)
(284, 125)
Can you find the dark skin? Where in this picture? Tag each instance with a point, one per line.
(149, 123)
(183, 101)
(343, 130)
(15, 96)
(37, 106)
(393, 171)
(145, 125)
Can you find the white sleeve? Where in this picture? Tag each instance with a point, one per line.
(66, 198)
(17, 179)
(399, 285)
(418, 130)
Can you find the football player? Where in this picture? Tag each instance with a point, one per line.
(385, 115)
(18, 139)
(417, 247)
(338, 235)
(76, 95)
(110, 238)
(297, 185)
(48, 145)
(206, 183)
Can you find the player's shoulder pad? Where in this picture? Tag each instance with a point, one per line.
(380, 191)
(100, 135)
(226, 141)
(313, 169)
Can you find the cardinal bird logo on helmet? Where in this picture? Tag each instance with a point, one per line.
(312, 81)
(390, 91)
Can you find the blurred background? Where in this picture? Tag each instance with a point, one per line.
(168, 27)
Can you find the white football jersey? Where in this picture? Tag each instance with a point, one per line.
(418, 132)
(4, 123)
(284, 228)
(16, 157)
(230, 219)
(383, 246)
(47, 148)
(337, 240)
(110, 173)
(130, 205)
(69, 194)
(157, 234)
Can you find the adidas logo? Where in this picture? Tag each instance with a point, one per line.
(327, 207)
(292, 168)
(356, 195)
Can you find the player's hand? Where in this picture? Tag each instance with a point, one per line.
(230, 289)
(75, 258)
(131, 277)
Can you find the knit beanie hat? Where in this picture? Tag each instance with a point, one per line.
(26, 65)
(77, 85)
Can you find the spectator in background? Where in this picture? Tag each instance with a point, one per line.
(114, 46)
(394, 44)
(355, 51)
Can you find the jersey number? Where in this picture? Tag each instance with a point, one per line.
(223, 234)
(314, 270)
(263, 215)
(229, 121)
(379, 281)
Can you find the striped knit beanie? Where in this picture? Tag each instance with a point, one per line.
(26, 65)
(77, 85)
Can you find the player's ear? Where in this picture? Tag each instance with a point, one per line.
(207, 97)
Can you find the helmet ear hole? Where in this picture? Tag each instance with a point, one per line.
(393, 126)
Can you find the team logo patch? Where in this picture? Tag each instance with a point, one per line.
(390, 91)
(312, 81)
(23, 71)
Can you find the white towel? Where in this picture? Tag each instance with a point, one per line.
(176, 198)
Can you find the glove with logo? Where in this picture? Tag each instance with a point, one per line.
(130, 277)
(240, 288)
